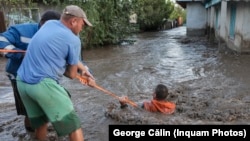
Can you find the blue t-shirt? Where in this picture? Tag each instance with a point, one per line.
(49, 51)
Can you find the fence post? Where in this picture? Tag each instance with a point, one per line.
(2, 23)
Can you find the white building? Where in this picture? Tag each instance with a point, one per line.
(226, 20)
(196, 16)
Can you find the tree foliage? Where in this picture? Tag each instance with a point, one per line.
(178, 12)
(9, 3)
(111, 17)
(151, 13)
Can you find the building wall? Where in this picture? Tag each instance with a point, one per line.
(240, 42)
(196, 19)
(224, 19)
(213, 18)
(242, 30)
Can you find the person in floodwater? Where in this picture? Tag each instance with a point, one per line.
(17, 37)
(157, 104)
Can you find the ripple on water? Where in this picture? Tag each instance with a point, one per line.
(6, 95)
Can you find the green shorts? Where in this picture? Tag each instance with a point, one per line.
(47, 101)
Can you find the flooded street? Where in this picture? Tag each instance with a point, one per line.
(208, 86)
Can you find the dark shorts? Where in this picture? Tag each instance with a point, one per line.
(18, 102)
(47, 101)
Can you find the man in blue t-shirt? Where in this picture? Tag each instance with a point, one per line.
(17, 38)
(50, 57)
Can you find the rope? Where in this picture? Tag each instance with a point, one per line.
(85, 82)
(11, 51)
(82, 80)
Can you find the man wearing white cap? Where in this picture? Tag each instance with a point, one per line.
(53, 52)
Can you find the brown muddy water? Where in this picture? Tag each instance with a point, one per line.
(208, 86)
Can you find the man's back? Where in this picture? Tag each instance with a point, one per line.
(46, 54)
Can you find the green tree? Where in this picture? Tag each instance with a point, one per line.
(151, 13)
(110, 19)
(178, 12)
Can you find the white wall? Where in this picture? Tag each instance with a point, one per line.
(196, 19)
(242, 30)
(196, 16)
(241, 40)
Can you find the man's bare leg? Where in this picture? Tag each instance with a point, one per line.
(41, 132)
(76, 135)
